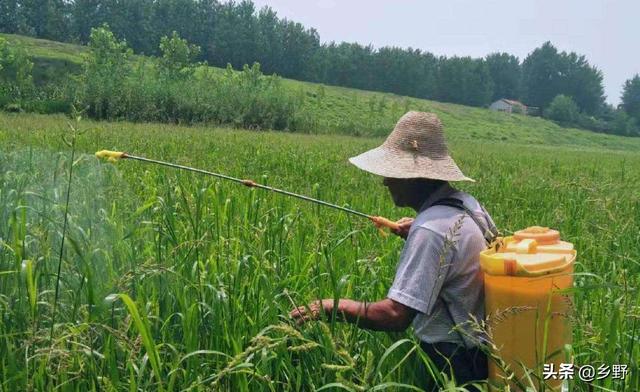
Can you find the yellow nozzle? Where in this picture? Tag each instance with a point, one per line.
(110, 156)
(381, 222)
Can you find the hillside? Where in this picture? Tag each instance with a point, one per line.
(355, 112)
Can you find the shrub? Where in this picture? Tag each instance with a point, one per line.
(169, 90)
(105, 71)
(178, 56)
(16, 82)
(624, 125)
(562, 109)
(250, 99)
(48, 106)
(592, 123)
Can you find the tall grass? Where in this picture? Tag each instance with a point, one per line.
(175, 281)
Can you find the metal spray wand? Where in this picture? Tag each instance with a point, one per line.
(114, 156)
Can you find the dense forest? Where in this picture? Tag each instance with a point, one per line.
(563, 85)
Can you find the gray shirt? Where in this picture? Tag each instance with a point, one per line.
(440, 264)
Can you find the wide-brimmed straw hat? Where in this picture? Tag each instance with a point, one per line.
(415, 149)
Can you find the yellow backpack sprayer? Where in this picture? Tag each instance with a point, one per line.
(527, 304)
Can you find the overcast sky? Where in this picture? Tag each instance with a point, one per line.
(606, 32)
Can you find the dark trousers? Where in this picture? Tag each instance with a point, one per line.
(467, 364)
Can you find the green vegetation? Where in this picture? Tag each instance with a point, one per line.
(172, 281)
(53, 61)
(236, 33)
(317, 108)
(562, 109)
(137, 277)
(115, 85)
(16, 81)
(631, 97)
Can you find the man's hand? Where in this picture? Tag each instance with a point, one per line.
(404, 225)
(313, 311)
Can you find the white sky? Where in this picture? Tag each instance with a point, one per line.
(606, 32)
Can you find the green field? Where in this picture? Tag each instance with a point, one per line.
(212, 268)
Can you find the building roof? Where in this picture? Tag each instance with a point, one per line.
(513, 102)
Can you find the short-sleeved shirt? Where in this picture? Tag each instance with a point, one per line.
(439, 273)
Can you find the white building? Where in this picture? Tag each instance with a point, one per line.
(509, 106)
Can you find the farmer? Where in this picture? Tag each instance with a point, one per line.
(438, 282)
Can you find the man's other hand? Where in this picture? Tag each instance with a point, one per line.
(313, 311)
(404, 225)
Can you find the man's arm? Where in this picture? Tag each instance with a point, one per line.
(385, 315)
(416, 285)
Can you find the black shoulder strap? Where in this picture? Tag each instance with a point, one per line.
(490, 232)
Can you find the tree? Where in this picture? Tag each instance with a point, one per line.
(105, 71)
(204, 22)
(86, 14)
(12, 19)
(107, 53)
(177, 61)
(131, 20)
(583, 83)
(187, 17)
(41, 18)
(348, 64)
(405, 71)
(631, 97)
(624, 125)
(15, 72)
(542, 76)
(506, 74)
(269, 41)
(547, 73)
(563, 109)
(464, 80)
(298, 46)
(235, 39)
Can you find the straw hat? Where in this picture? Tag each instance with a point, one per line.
(415, 149)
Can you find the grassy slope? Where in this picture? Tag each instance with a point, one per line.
(356, 112)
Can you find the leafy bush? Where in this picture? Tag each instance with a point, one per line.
(624, 125)
(562, 109)
(105, 71)
(178, 56)
(48, 106)
(250, 99)
(592, 123)
(16, 82)
(113, 86)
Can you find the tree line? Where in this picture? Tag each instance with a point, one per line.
(562, 84)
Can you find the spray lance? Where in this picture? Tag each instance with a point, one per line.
(114, 156)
